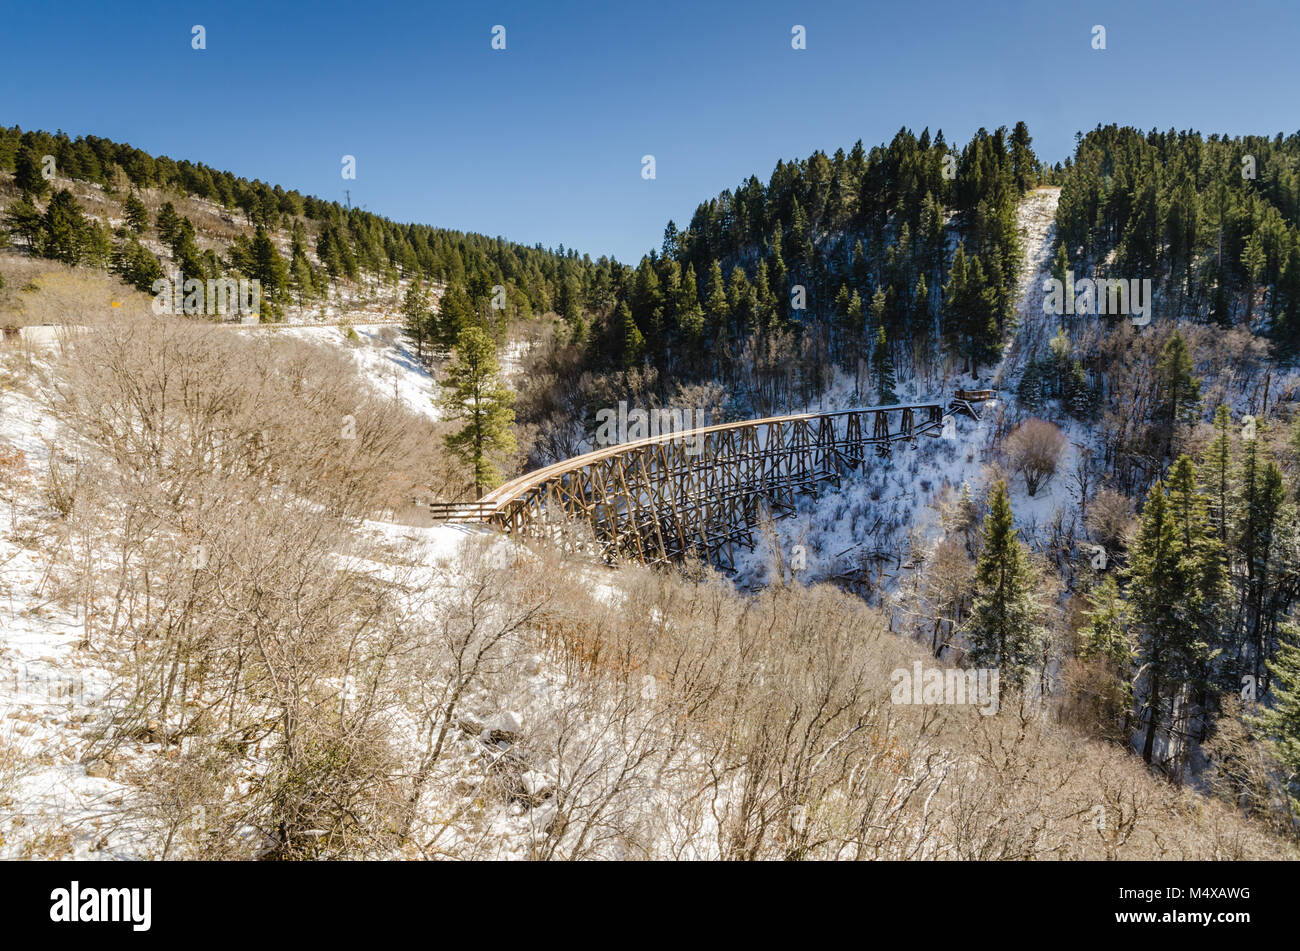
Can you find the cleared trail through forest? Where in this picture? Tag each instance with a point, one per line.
(1037, 221)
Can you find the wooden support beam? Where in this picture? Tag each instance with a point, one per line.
(657, 500)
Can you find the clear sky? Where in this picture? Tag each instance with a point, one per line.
(542, 142)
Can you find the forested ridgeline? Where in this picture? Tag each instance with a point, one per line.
(1213, 221)
(296, 245)
(884, 265)
(904, 256)
(836, 249)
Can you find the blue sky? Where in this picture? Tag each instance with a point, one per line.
(542, 142)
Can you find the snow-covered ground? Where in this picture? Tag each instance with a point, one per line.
(59, 798)
(385, 358)
(871, 528)
(53, 693)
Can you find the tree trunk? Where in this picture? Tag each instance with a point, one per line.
(1153, 722)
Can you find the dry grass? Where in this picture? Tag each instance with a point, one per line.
(40, 291)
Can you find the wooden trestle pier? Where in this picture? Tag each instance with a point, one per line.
(697, 491)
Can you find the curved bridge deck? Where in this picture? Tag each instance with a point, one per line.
(698, 491)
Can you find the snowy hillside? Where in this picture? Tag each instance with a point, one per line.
(884, 520)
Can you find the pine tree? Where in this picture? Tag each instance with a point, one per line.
(922, 325)
(716, 311)
(840, 309)
(136, 265)
(630, 338)
(1107, 640)
(955, 300)
(1253, 260)
(455, 315)
(1180, 391)
(1281, 722)
(302, 276)
(1216, 475)
(853, 328)
(269, 269)
(882, 368)
(1286, 330)
(1023, 162)
(66, 233)
(28, 177)
(1005, 627)
(1166, 598)
(879, 300)
(415, 310)
(472, 392)
(777, 275)
(1060, 265)
(1206, 561)
(137, 215)
(168, 222)
(186, 253)
(1260, 497)
(979, 310)
(22, 218)
(690, 315)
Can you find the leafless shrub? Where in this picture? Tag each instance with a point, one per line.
(1243, 773)
(302, 691)
(64, 479)
(1110, 519)
(171, 400)
(1033, 451)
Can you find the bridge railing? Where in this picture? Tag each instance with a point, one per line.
(461, 511)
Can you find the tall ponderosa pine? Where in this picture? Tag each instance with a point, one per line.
(472, 392)
(23, 219)
(1216, 475)
(1179, 391)
(1023, 163)
(690, 315)
(455, 315)
(417, 315)
(1260, 498)
(302, 275)
(188, 257)
(1005, 628)
(1166, 599)
(882, 368)
(716, 309)
(28, 173)
(1106, 640)
(168, 222)
(630, 340)
(269, 269)
(1207, 563)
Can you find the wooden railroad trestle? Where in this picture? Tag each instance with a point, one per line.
(699, 491)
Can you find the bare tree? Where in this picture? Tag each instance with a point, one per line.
(1033, 451)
